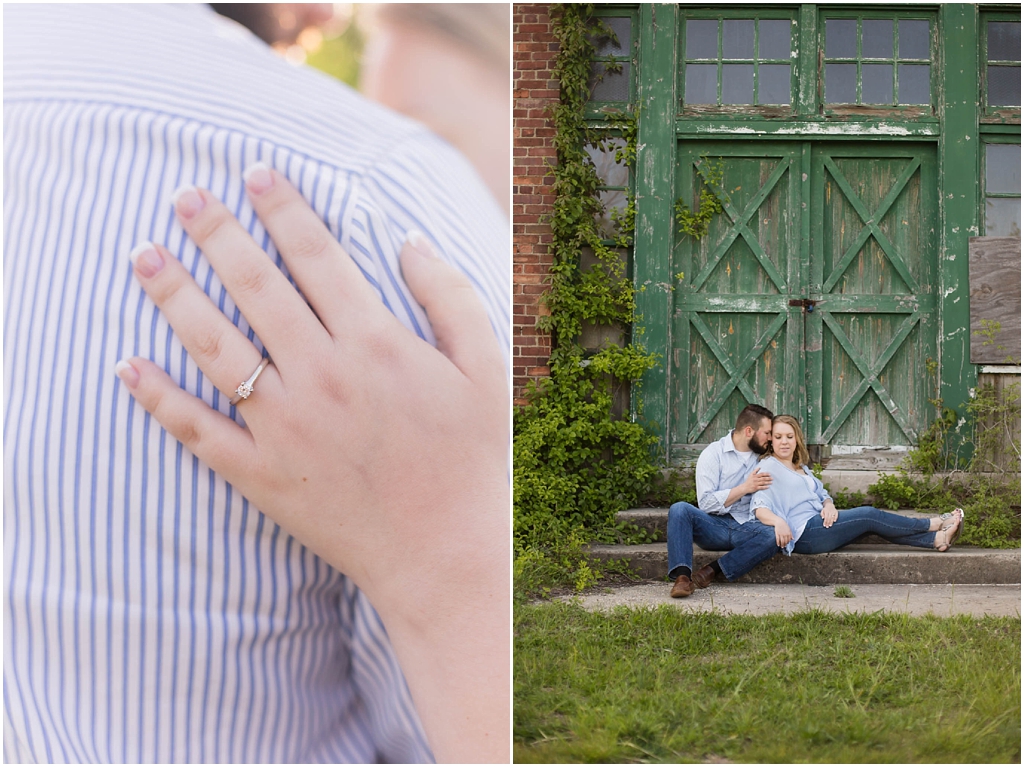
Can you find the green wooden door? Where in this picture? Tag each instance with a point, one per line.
(734, 336)
(873, 275)
(813, 293)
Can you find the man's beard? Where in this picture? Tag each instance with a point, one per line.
(759, 447)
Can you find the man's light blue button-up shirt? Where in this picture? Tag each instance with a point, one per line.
(720, 468)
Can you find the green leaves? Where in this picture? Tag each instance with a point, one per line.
(575, 464)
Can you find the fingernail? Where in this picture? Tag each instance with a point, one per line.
(187, 201)
(420, 243)
(147, 259)
(258, 178)
(127, 373)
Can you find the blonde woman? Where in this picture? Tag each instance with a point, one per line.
(806, 521)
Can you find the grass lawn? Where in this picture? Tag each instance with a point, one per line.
(667, 686)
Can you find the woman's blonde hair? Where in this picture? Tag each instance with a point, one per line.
(801, 455)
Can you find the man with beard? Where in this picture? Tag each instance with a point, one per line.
(726, 478)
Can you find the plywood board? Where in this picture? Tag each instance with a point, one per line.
(995, 297)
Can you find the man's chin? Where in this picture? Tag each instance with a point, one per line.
(759, 449)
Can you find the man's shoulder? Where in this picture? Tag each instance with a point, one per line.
(185, 62)
(712, 452)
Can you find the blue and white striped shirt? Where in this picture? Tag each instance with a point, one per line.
(720, 468)
(151, 613)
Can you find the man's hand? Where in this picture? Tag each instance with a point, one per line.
(758, 480)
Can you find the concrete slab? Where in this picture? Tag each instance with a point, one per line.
(856, 563)
(765, 598)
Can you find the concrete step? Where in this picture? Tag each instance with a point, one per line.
(656, 521)
(856, 563)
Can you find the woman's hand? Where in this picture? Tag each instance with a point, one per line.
(783, 535)
(829, 513)
(385, 456)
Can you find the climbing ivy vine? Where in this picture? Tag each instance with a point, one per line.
(695, 223)
(576, 464)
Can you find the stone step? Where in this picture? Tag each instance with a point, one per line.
(656, 521)
(856, 563)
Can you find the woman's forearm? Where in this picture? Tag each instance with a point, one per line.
(454, 652)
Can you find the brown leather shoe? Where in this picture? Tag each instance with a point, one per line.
(703, 577)
(683, 587)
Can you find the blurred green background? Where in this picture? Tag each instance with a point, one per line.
(339, 53)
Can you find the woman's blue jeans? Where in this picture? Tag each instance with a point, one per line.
(748, 544)
(853, 523)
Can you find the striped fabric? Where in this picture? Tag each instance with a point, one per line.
(151, 613)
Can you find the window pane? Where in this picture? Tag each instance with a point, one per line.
(876, 87)
(610, 172)
(773, 84)
(1002, 217)
(1002, 168)
(877, 42)
(701, 84)
(1004, 41)
(738, 39)
(614, 86)
(1004, 86)
(840, 38)
(914, 39)
(737, 83)
(775, 40)
(702, 39)
(611, 200)
(841, 83)
(606, 46)
(915, 87)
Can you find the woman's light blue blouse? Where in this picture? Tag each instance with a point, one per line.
(789, 497)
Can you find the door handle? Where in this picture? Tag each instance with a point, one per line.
(806, 303)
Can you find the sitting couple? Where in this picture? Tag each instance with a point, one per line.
(753, 510)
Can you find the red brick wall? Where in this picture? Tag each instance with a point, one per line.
(534, 91)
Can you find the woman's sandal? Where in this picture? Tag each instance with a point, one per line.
(958, 524)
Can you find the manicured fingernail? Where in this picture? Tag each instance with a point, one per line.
(187, 201)
(258, 178)
(127, 373)
(147, 259)
(420, 243)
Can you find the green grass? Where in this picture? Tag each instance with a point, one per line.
(667, 686)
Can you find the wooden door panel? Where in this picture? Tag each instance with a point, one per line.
(734, 337)
(873, 265)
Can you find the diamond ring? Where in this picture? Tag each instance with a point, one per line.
(245, 388)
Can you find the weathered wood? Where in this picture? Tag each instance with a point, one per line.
(995, 297)
(1004, 450)
(655, 187)
(958, 190)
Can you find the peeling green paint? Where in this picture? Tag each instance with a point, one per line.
(887, 277)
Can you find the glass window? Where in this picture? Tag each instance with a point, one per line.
(1002, 190)
(730, 62)
(614, 175)
(616, 44)
(1002, 69)
(611, 72)
(877, 61)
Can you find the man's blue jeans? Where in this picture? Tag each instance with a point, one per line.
(853, 523)
(748, 544)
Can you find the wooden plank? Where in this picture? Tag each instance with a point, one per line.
(958, 190)
(655, 194)
(1005, 452)
(995, 297)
